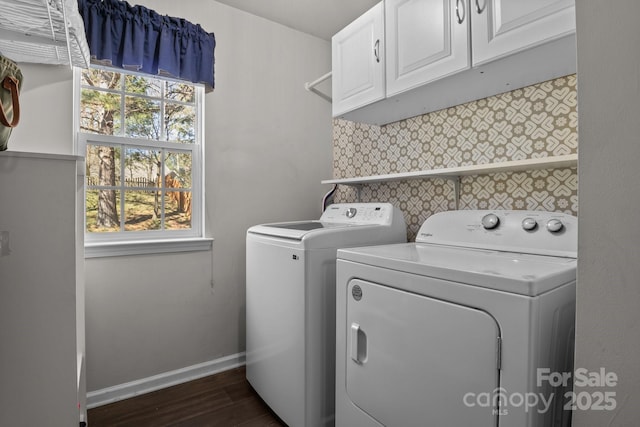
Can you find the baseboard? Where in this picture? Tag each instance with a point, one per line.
(160, 381)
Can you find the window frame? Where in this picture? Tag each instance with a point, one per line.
(118, 243)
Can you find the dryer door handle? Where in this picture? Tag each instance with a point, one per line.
(358, 344)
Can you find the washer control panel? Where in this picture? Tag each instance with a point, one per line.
(536, 232)
(358, 213)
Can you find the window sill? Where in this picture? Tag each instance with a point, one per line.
(144, 247)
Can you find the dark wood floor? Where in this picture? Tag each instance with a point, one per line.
(224, 399)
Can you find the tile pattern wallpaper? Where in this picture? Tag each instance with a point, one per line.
(536, 121)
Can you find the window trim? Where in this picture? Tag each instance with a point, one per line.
(151, 241)
(145, 247)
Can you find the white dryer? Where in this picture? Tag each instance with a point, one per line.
(290, 311)
(460, 328)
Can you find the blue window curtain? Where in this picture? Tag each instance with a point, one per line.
(139, 39)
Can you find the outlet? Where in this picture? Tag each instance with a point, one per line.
(4, 243)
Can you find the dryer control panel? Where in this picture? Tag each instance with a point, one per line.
(535, 232)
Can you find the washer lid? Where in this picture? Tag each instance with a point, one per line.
(518, 273)
(294, 230)
(338, 216)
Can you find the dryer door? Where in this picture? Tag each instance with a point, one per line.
(415, 361)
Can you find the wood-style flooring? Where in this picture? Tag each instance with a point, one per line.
(224, 399)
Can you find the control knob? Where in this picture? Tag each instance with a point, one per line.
(529, 224)
(490, 221)
(554, 225)
(351, 212)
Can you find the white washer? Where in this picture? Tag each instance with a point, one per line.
(290, 310)
(433, 333)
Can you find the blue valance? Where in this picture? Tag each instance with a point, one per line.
(140, 39)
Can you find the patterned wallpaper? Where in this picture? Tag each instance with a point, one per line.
(536, 121)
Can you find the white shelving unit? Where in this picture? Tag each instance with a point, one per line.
(454, 174)
(43, 32)
(42, 290)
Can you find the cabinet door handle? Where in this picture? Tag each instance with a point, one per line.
(460, 17)
(376, 50)
(479, 8)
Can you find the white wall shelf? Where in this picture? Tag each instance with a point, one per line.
(454, 174)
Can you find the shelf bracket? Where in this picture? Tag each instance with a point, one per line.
(456, 190)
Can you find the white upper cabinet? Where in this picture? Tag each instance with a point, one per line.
(426, 40)
(404, 58)
(358, 62)
(503, 27)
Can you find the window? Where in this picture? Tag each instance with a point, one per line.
(142, 139)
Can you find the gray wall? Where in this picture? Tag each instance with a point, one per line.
(46, 103)
(268, 145)
(608, 291)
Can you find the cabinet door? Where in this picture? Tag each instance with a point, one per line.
(426, 40)
(358, 62)
(503, 27)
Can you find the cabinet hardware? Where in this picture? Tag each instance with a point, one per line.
(460, 18)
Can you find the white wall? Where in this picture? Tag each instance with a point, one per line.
(268, 145)
(46, 102)
(608, 290)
